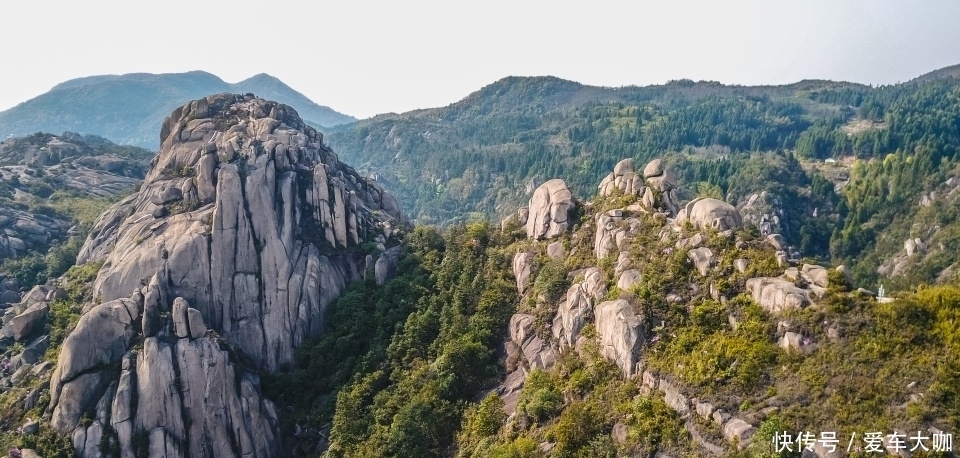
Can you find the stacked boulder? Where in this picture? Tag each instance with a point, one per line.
(623, 179)
(661, 188)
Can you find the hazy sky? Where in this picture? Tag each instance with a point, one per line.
(365, 57)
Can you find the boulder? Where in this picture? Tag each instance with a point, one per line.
(35, 350)
(702, 258)
(167, 195)
(621, 334)
(27, 323)
(628, 279)
(791, 341)
(704, 212)
(181, 324)
(776, 295)
(815, 274)
(576, 307)
(653, 168)
(31, 427)
(549, 210)
(9, 297)
(609, 234)
(738, 430)
(195, 323)
(674, 398)
(623, 179)
(661, 187)
(555, 250)
(705, 410)
(741, 265)
(847, 275)
(777, 242)
(522, 267)
(386, 265)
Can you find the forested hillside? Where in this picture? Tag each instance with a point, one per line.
(482, 156)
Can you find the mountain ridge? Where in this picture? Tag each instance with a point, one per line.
(127, 108)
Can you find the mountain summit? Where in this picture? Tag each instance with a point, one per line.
(246, 227)
(127, 108)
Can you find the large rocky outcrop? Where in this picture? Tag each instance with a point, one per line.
(22, 231)
(705, 212)
(240, 228)
(549, 210)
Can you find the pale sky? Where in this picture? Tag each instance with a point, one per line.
(368, 57)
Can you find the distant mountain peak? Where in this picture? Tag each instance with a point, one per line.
(127, 108)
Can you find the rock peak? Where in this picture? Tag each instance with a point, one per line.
(244, 226)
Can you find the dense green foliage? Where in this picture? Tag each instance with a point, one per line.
(400, 362)
(480, 155)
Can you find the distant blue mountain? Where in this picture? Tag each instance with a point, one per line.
(128, 109)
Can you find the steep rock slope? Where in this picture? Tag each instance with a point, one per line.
(244, 229)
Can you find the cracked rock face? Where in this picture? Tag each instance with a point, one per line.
(239, 267)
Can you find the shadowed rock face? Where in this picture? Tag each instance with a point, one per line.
(241, 227)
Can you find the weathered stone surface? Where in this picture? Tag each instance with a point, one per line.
(739, 431)
(777, 242)
(661, 188)
(34, 350)
(549, 210)
(775, 295)
(538, 353)
(386, 265)
(621, 334)
(254, 251)
(702, 259)
(704, 212)
(791, 341)
(847, 275)
(609, 235)
(628, 279)
(29, 322)
(9, 297)
(578, 304)
(195, 319)
(674, 398)
(623, 179)
(815, 274)
(704, 409)
(555, 250)
(181, 325)
(522, 267)
(166, 196)
(272, 229)
(741, 265)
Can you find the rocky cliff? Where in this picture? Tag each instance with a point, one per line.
(246, 227)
